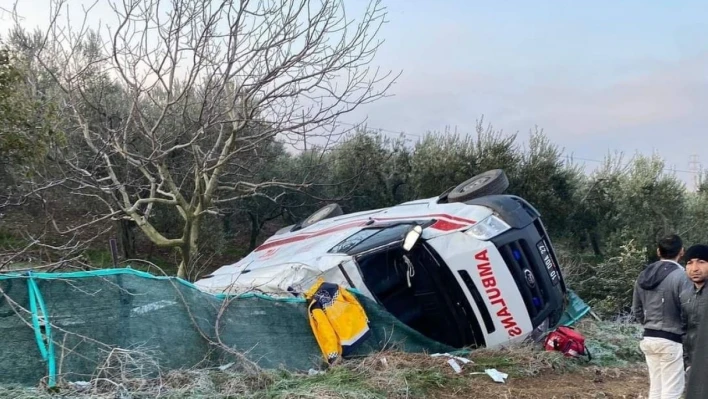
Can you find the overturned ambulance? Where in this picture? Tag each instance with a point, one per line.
(472, 267)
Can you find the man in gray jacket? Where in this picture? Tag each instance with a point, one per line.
(657, 306)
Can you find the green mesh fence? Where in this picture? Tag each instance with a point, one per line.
(69, 326)
(575, 310)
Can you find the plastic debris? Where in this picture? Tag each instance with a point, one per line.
(496, 375)
(455, 365)
(461, 359)
(453, 361)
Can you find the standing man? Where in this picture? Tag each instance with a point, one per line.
(697, 383)
(693, 300)
(657, 306)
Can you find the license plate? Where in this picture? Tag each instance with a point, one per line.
(551, 267)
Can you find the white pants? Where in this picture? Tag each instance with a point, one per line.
(665, 362)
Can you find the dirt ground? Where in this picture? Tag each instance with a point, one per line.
(606, 383)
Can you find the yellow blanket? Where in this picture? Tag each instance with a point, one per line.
(338, 320)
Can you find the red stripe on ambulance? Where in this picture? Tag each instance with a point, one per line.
(444, 225)
(489, 282)
(452, 223)
(431, 216)
(302, 237)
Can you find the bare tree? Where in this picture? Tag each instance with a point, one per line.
(172, 97)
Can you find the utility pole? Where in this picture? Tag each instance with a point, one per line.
(695, 167)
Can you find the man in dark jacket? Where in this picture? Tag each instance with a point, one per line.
(657, 306)
(697, 382)
(693, 300)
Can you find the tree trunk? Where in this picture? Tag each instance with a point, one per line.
(595, 243)
(127, 238)
(185, 259)
(189, 250)
(226, 224)
(255, 229)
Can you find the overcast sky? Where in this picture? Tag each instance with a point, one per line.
(629, 76)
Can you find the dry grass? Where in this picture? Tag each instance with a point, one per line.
(128, 374)
(384, 375)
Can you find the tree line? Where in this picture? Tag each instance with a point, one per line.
(180, 146)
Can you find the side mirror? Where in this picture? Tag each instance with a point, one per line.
(412, 237)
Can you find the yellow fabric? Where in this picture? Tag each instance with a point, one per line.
(337, 319)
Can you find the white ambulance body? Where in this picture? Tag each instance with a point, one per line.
(472, 272)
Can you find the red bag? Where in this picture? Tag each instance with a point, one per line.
(568, 341)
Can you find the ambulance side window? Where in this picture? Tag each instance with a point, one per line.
(348, 243)
(367, 239)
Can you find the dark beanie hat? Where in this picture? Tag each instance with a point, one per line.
(699, 251)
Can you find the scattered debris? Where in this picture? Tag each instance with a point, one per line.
(461, 359)
(496, 375)
(455, 365)
(452, 361)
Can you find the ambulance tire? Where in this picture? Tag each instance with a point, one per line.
(323, 213)
(491, 182)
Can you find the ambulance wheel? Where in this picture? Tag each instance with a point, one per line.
(326, 212)
(491, 182)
